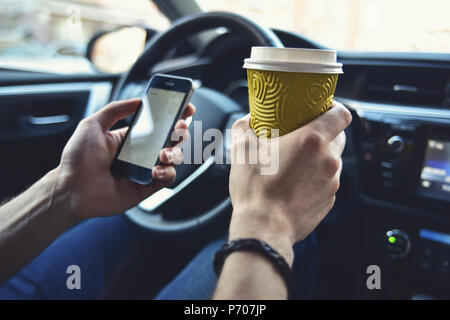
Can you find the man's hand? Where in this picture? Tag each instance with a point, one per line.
(282, 208)
(85, 165)
(80, 187)
(286, 207)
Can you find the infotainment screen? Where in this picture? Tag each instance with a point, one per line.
(435, 174)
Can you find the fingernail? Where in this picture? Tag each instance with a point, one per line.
(161, 172)
(169, 155)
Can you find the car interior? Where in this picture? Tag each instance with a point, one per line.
(393, 206)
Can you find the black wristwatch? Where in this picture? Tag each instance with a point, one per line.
(258, 246)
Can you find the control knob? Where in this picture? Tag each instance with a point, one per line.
(397, 243)
(396, 144)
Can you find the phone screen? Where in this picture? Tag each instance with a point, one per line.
(151, 126)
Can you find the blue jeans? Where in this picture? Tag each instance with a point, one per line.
(98, 246)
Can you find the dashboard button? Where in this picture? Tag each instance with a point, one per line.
(368, 151)
(386, 164)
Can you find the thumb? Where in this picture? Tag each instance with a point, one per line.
(242, 131)
(242, 123)
(116, 111)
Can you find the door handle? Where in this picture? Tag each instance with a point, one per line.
(47, 120)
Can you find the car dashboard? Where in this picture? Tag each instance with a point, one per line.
(393, 209)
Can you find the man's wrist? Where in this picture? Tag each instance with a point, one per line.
(270, 229)
(60, 195)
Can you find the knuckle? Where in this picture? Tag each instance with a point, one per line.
(85, 122)
(335, 184)
(343, 138)
(314, 141)
(178, 134)
(239, 122)
(345, 115)
(331, 165)
(178, 156)
(332, 202)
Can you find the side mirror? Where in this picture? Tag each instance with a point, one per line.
(116, 51)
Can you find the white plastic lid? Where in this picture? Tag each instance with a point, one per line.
(293, 60)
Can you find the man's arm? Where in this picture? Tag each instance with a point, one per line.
(283, 208)
(81, 187)
(30, 222)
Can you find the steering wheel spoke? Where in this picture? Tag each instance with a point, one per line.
(156, 200)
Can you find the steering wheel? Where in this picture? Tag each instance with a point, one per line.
(177, 209)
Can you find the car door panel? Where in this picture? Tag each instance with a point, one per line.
(36, 120)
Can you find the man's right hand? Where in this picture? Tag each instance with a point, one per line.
(286, 207)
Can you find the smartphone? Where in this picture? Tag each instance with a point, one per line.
(150, 130)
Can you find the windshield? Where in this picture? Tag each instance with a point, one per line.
(359, 25)
(52, 35)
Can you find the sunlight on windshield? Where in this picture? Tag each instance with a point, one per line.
(51, 35)
(362, 25)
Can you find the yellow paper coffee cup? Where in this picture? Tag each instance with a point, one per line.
(289, 87)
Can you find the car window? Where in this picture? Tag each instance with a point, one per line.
(52, 35)
(361, 25)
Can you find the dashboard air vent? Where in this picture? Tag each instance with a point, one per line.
(425, 87)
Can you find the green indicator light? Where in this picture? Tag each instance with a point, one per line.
(392, 239)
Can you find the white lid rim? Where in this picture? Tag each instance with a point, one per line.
(335, 68)
(289, 63)
(294, 49)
